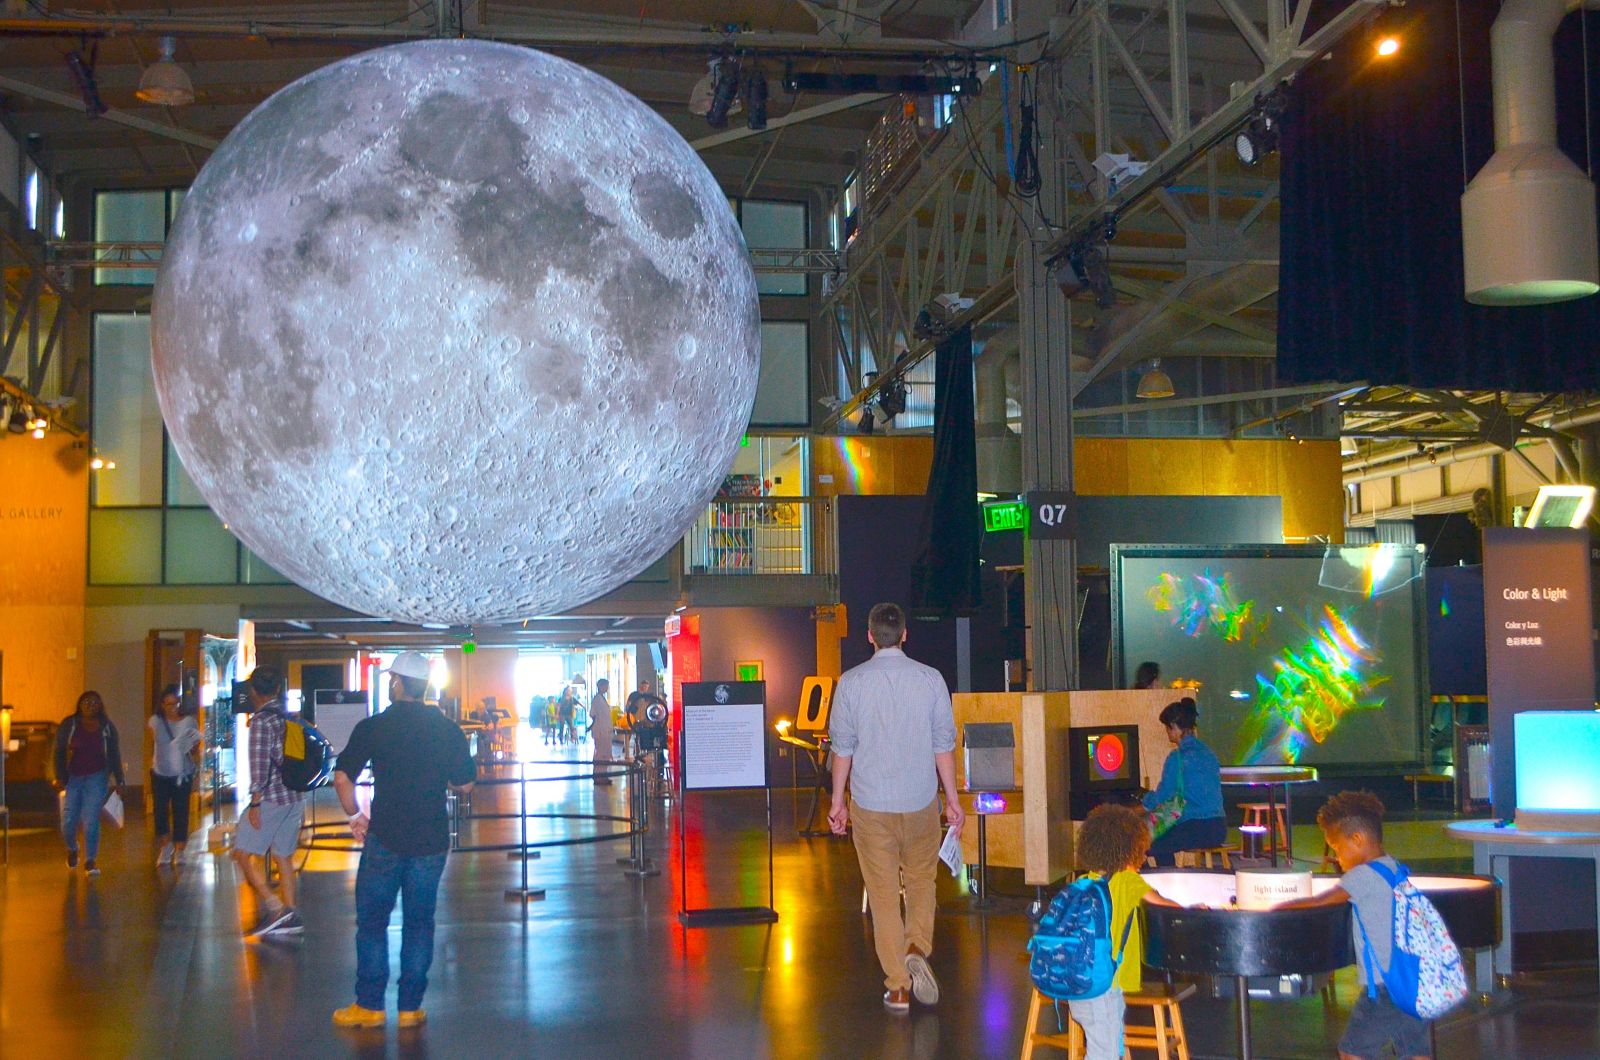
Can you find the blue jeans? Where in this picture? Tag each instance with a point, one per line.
(383, 876)
(1196, 834)
(85, 797)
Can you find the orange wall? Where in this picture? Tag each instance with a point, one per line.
(44, 527)
(871, 464)
(1306, 475)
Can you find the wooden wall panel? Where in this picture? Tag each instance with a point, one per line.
(871, 465)
(44, 526)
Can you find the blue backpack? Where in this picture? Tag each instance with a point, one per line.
(1424, 978)
(1071, 951)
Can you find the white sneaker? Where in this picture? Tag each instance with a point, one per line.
(164, 856)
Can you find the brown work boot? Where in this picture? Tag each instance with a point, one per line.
(924, 987)
(897, 1001)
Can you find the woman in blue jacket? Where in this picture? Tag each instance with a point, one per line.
(1202, 823)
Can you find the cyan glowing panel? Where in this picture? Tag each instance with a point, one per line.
(1558, 760)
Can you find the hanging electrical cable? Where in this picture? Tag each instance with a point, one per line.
(1025, 172)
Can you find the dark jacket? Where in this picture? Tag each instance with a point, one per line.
(108, 734)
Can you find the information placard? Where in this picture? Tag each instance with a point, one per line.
(724, 735)
(338, 713)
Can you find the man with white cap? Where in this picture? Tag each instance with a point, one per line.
(415, 753)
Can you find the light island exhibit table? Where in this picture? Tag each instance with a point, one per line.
(1206, 934)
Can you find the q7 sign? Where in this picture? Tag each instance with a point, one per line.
(1052, 515)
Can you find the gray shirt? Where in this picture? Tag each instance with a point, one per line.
(891, 715)
(1371, 899)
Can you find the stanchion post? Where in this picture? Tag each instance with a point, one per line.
(638, 813)
(524, 893)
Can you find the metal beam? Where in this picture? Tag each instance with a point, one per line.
(794, 117)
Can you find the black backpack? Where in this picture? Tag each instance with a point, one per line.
(307, 757)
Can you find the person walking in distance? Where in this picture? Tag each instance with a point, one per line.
(271, 823)
(600, 726)
(176, 740)
(894, 738)
(272, 819)
(415, 753)
(88, 761)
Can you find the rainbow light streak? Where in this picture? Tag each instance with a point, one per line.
(1209, 605)
(853, 457)
(1311, 690)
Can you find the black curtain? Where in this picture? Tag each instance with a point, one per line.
(944, 579)
(1371, 283)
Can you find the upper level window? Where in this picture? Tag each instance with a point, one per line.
(30, 195)
(772, 225)
(133, 217)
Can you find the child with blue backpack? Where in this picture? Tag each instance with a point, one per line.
(1088, 951)
(1405, 986)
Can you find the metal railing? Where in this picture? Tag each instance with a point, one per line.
(762, 535)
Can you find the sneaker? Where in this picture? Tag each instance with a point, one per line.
(356, 1016)
(411, 1018)
(89, 868)
(164, 856)
(897, 1001)
(270, 920)
(924, 987)
(72, 859)
(289, 925)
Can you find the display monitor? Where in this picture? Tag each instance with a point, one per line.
(1103, 757)
(1299, 654)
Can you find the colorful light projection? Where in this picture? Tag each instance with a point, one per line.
(1207, 605)
(1310, 690)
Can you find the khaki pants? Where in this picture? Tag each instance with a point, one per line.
(896, 848)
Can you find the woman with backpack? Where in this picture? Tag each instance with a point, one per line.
(176, 740)
(88, 759)
(1187, 804)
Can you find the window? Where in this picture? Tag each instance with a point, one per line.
(133, 217)
(58, 227)
(783, 390)
(125, 416)
(30, 195)
(776, 226)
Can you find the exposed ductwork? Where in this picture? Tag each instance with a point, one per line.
(999, 447)
(1528, 217)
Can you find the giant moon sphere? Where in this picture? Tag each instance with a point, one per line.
(456, 332)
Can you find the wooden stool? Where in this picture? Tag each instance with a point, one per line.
(1445, 780)
(1202, 858)
(1328, 859)
(1161, 1036)
(1255, 813)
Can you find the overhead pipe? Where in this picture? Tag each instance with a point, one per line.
(1528, 217)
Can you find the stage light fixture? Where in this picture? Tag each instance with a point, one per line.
(1256, 140)
(724, 91)
(755, 99)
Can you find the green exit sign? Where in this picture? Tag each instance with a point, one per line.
(1005, 515)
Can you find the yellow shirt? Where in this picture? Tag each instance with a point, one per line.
(1127, 887)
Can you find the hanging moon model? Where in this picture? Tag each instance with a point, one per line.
(456, 332)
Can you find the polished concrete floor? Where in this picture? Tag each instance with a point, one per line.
(144, 962)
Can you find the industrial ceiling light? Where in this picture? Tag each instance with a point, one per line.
(1528, 217)
(1154, 383)
(164, 82)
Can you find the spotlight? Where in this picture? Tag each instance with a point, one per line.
(724, 90)
(164, 82)
(1388, 44)
(95, 463)
(865, 424)
(83, 76)
(1089, 263)
(1155, 383)
(20, 420)
(1259, 136)
(755, 99)
(892, 399)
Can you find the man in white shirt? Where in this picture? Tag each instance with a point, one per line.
(601, 728)
(894, 739)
